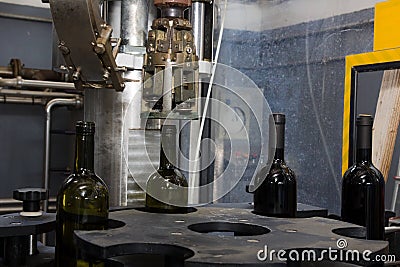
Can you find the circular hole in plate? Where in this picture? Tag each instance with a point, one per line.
(353, 232)
(178, 211)
(229, 229)
(114, 224)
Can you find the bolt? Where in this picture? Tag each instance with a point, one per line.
(64, 50)
(106, 75)
(99, 49)
(76, 75)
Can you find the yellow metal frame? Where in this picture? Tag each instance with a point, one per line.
(387, 21)
(353, 63)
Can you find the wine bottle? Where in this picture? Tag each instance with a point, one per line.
(277, 194)
(165, 184)
(363, 187)
(82, 201)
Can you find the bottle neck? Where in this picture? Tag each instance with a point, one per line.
(280, 142)
(279, 154)
(84, 152)
(168, 147)
(364, 143)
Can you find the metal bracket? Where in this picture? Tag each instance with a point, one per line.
(86, 44)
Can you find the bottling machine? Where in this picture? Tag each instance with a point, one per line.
(132, 65)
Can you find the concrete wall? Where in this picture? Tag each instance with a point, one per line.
(301, 68)
(265, 15)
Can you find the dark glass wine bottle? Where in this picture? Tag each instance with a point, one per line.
(277, 195)
(165, 185)
(82, 201)
(363, 187)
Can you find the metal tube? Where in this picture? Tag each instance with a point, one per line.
(22, 17)
(22, 100)
(77, 102)
(198, 18)
(112, 111)
(6, 71)
(19, 82)
(167, 86)
(27, 93)
(134, 22)
(114, 17)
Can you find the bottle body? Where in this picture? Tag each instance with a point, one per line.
(82, 204)
(277, 195)
(164, 186)
(363, 186)
(363, 199)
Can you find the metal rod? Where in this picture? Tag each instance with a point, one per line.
(167, 86)
(77, 102)
(19, 82)
(6, 71)
(22, 100)
(27, 93)
(134, 22)
(22, 17)
(198, 18)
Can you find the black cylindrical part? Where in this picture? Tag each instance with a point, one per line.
(16, 250)
(280, 121)
(364, 131)
(31, 206)
(364, 124)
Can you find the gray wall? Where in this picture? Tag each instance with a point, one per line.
(22, 126)
(301, 70)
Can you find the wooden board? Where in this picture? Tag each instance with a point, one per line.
(387, 117)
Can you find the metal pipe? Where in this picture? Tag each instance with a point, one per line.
(77, 102)
(27, 93)
(134, 22)
(116, 115)
(19, 82)
(167, 87)
(198, 19)
(6, 71)
(114, 17)
(22, 17)
(22, 100)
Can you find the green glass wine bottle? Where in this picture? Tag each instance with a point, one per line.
(82, 201)
(166, 185)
